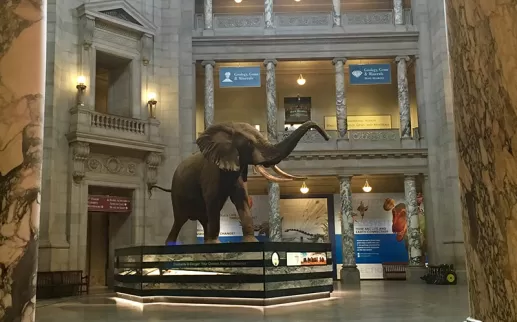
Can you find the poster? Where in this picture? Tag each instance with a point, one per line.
(304, 220)
(306, 259)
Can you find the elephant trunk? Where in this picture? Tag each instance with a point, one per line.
(283, 148)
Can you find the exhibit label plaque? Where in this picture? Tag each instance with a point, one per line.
(306, 259)
(361, 122)
(109, 204)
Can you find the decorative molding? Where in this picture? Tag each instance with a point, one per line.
(368, 18)
(152, 161)
(121, 14)
(238, 21)
(80, 153)
(147, 48)
(343, 155)
(112, 165)
(303, 20)
(374, 135)
(87, 29)
(102, 25)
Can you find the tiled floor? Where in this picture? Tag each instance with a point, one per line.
(375, 301)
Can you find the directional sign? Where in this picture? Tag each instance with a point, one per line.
(239, 76)
(373, 74)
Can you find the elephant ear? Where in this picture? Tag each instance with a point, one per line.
(216, 145)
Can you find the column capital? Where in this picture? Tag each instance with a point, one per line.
(399, 58)
(339, 59)
(345, 176)
(208, 62)
(270, 60)
(410, 176)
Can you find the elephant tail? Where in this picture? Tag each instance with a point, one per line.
(151, 187)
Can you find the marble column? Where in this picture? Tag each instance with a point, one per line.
(208, 15)
(341, 113)
(403, 97)
(275, 220)
(336, 13)
(22, 89)
(349, 273)
(398, 12)
(482, 54)
(268, 14)
(209, 92)
(413, 228)
(272, 110)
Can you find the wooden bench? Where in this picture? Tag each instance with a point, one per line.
(61, 284)
(394, 271)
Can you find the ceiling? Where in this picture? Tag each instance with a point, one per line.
(257, 6)
(330, 185)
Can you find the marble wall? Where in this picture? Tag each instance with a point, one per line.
(22, 87)
(483, 54)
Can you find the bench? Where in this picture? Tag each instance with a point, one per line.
(394, 271)
(61, 284)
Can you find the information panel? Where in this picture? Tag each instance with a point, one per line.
(306, 259)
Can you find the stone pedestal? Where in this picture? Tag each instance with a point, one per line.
(349, 276)
(22, 89)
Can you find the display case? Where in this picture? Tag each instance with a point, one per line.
(262, 273)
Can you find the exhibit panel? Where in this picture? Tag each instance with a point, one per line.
(260, 273)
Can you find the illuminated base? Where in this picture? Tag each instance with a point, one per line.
(224, 300)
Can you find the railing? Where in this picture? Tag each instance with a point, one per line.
(118, 123)
(318, 20)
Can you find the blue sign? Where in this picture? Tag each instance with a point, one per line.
(374, 249)
(239, 76)
(373, 74)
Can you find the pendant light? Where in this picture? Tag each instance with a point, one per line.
(304, 189)
(301, 81)
(367, 187)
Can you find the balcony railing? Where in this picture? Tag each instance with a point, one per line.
(303, 22)
(118, 123)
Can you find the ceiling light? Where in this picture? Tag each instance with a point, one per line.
(367, 187)
(238, 1)
(301, 80)
(304, 189)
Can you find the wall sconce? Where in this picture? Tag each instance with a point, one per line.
(367, 187)
(304, 189)
(81, 87)
(151, 102)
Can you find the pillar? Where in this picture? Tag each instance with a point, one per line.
(349, 273)
(341, 113)
(22, 83)
(208, 16)
(209, 92)
(272, 130)
(413, 229)
(275, 221)
(420, 97)
(485, 117)
(403, 97)
(398, 12)
(268, 13)
(336, 13)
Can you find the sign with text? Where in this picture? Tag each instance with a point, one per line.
(306, 259)
(360, 122)
(109, 204)
(297, 109)
(372, 74)
(239, 76)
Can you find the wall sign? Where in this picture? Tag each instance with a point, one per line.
(98, 203)
(297, 109)
(361, 122)
(372, 74)
(239, 76)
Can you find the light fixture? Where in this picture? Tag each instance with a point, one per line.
(151, 102)
(301, 81)
(367, 187)
(297, 0)
(81, 83)
(304, 189)
(238, 1)
(257, 126)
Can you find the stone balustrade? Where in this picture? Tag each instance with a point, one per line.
(304, 22)
(118, 123)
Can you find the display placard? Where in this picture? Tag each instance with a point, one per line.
(360, 122)
(109, 204)
(297, 109)
(306, 259)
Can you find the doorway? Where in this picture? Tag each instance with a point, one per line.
(109, 228)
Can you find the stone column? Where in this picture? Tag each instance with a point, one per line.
(272, 127)
(336, 13)
(349, 273)
(341, 113)
(268, 14)
(208, 15)
(275, 220)
(420, 97)
(403, 93)
(209, 92)
(486, 144)
(398, 12)
(413, 229)
(22, 83)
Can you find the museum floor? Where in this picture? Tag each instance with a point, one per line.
(374, 301)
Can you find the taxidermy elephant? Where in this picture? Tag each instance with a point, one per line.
(203, 182)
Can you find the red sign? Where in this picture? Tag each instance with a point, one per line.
(109, 204)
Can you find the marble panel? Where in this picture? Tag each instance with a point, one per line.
(203, 257)
(298, 270)
(205, 286)
(273, 286)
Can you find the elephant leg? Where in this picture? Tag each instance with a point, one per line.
(239, 198)
(175, 230)
(213, 225)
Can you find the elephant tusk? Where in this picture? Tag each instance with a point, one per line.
(287, 175)
(269, 176)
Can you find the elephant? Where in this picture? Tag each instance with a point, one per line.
(204, 181)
